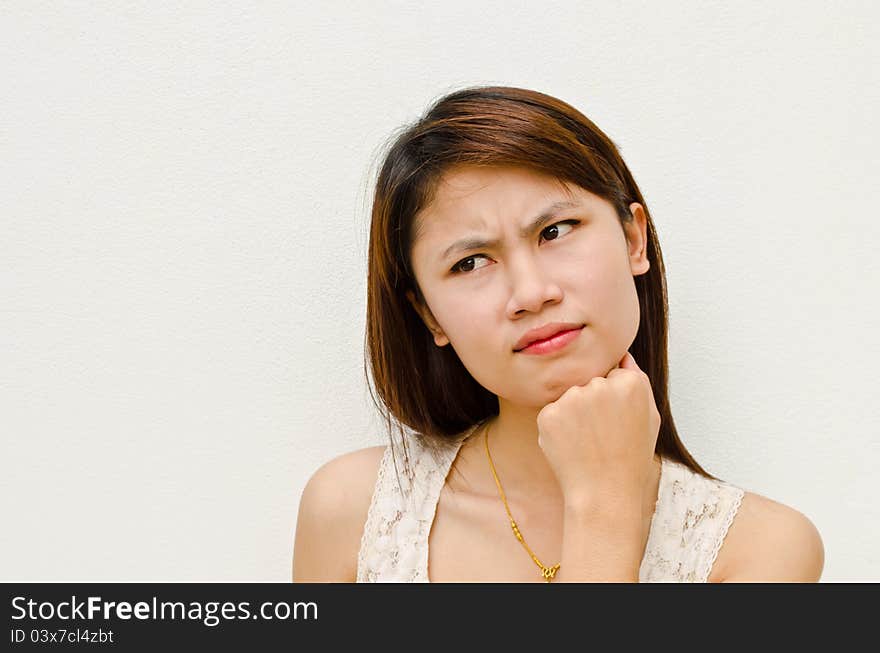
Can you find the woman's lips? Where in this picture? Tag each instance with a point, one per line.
(552, 344)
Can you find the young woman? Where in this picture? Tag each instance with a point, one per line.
(517, 341)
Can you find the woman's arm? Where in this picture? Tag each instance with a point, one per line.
(332, 512)
(769, 542)
(602, 542)
(600, 440)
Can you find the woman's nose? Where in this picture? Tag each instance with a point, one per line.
(530, 286)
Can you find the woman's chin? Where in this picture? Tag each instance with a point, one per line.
(557, 387)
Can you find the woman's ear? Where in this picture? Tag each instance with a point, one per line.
(637, 239)
(424, 312)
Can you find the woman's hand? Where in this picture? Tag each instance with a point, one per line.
(599, 438)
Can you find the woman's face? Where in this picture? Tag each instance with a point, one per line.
(575, 266)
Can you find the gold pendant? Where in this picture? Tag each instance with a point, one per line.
(549, 572)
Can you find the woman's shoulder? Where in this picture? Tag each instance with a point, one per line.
(769, 541)
(333, 508)
(352, 465)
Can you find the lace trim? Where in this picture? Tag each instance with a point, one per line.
(690, 526)
(737, 495)
(653, 531)
(433, 482)
(371, 524)
(393, 545)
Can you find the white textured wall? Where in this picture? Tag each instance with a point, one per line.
(184, 195)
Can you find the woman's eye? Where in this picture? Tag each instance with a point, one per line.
(554, 228)
(552, 232)
(462, 265)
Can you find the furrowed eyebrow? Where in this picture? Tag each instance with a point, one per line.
(467, 244)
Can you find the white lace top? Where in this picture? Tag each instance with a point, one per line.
(691, 518)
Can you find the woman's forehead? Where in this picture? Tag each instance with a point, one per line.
(465, 197)
(461, 184)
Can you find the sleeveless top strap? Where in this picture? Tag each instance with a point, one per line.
(394, 544)
(692, 518)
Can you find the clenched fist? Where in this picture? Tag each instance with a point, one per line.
(599, 438)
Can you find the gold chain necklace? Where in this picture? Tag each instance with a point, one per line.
(547, 572)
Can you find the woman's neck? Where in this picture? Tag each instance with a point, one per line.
(523, 470)
(520, 463)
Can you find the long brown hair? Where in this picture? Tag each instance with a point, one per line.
(426, 388)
